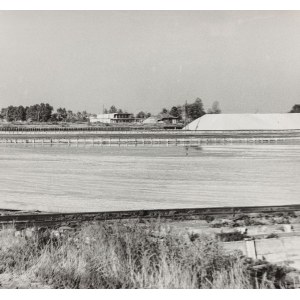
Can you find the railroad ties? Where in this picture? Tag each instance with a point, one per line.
(21, 220)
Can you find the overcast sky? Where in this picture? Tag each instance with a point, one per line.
(145, 60)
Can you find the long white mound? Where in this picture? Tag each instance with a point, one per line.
(287, 121)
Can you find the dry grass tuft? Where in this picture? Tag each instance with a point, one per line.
(125, 255)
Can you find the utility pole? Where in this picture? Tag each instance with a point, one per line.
(185, 112)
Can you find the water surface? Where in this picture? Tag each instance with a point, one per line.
(94, 178)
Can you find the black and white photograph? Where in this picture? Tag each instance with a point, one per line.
(149, 149)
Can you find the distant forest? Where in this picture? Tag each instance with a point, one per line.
(44, 112)
(295, 109)
(41, 113)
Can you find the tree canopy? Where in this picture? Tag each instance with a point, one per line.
(215, 109)
(112, 110)
(141, 115)
(195, 110)
(176, 111)
(41, 113)
(188, 111)
(295, 109)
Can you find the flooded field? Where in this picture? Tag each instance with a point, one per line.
(97, 178)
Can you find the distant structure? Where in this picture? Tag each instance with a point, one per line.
(286, 121)
(114, 118)
(161, 119)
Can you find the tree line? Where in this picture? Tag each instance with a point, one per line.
(42, 112)
(187, 112)
(295, 109)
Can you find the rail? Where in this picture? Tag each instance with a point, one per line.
(21, 220)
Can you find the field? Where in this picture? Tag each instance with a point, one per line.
(128, 255)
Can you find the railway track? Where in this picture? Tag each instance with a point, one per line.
(23, 220)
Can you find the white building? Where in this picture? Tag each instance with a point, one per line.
(113, 118)
(286, 121)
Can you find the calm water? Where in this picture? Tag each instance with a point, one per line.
(94, 178)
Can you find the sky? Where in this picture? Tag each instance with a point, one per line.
(248, 61)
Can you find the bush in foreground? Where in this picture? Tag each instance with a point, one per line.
(129, 255)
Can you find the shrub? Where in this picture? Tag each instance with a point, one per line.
(231, 236)
(131, 255)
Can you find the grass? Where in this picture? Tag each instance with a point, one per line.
(129, 255)
(232, 236)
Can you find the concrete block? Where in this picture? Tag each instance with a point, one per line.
(287, 227)
(239, 245)
(250, 249)
(268, 246)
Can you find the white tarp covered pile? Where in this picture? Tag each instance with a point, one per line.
(285, 121)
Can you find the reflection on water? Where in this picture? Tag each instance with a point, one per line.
(95, 178)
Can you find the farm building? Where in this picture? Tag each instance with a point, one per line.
(161, 119)
(286, 121)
